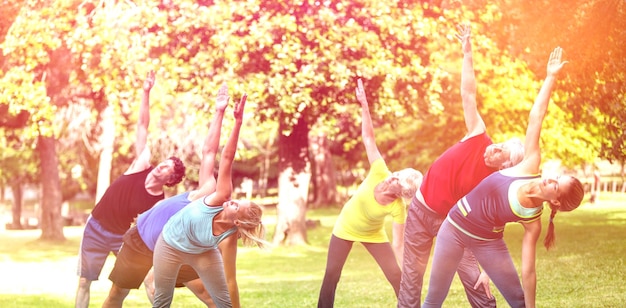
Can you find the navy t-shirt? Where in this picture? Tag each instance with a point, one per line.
(126, 198)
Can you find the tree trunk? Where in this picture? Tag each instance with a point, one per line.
(51, 222)
(107, 139)
(293, 184)
(264, 170)
(18, 201)
(324, 176)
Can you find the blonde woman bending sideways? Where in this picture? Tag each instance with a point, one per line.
(193, 235)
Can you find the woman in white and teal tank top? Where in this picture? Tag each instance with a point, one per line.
(194, 234)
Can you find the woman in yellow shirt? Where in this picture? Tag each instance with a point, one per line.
(362, 218)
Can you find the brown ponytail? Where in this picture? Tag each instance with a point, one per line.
(568, 201)
(548, 242)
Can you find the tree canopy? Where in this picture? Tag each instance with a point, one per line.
(65, 63)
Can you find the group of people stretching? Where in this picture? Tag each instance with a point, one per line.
(466, 198)
(189, 239)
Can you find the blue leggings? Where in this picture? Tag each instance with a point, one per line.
(493, 256)
(338, 251)
(208, 265)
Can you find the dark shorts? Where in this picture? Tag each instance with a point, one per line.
(95, 246)
(134, 261)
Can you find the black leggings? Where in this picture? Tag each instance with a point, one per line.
(338, 251)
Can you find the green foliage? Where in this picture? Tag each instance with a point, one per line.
(34, 91)
(593, 36)
(303, 60)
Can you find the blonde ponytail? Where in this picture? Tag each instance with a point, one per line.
(251, 227)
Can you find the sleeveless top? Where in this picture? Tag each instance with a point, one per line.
(150, 223)
(455, 173)
(191, 229)
(484, 212)
(362, 218)
(125, 198)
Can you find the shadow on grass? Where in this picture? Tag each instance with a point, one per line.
(25, 246)
(27, 301)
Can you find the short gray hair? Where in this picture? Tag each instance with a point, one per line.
(410, 180)
(516, 151)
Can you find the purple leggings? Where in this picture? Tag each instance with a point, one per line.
(493, 256)
(422, 225)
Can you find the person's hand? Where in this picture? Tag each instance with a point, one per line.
(238, 112)
(464, 33)
(483, 280)
(221, 100)
(149, 82)
(360, 93)
(555, 64)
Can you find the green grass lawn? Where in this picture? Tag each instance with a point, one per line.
(586, 269)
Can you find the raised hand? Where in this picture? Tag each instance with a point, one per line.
(221, 100)
(149, 82)
(464, 33)
(238, 111)
(555, 64)
(360, 93)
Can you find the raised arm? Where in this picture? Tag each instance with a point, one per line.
(224, 187)
(211, 143)
(367, 129)
(532, 152)
(142, 153)
(473, 121)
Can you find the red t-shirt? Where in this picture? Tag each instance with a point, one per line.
(455, 173)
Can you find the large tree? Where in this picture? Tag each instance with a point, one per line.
(298, 62)
(39, 64)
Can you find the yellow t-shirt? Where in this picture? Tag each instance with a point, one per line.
(362, 218)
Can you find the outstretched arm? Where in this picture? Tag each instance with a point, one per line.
(397, 244)
(142, 153)
(224, 187)
(532, 152)
(532, 231)
(473, 121)
(367, 129)
(211, 143)
(228, 249)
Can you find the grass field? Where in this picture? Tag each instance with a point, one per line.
(586, 269)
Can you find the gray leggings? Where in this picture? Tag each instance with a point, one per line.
(421, 228)
(208, 265)
(493, 256)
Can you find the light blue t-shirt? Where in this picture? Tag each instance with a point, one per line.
(191, 229)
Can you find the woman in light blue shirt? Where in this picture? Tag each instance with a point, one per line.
(192, 236)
